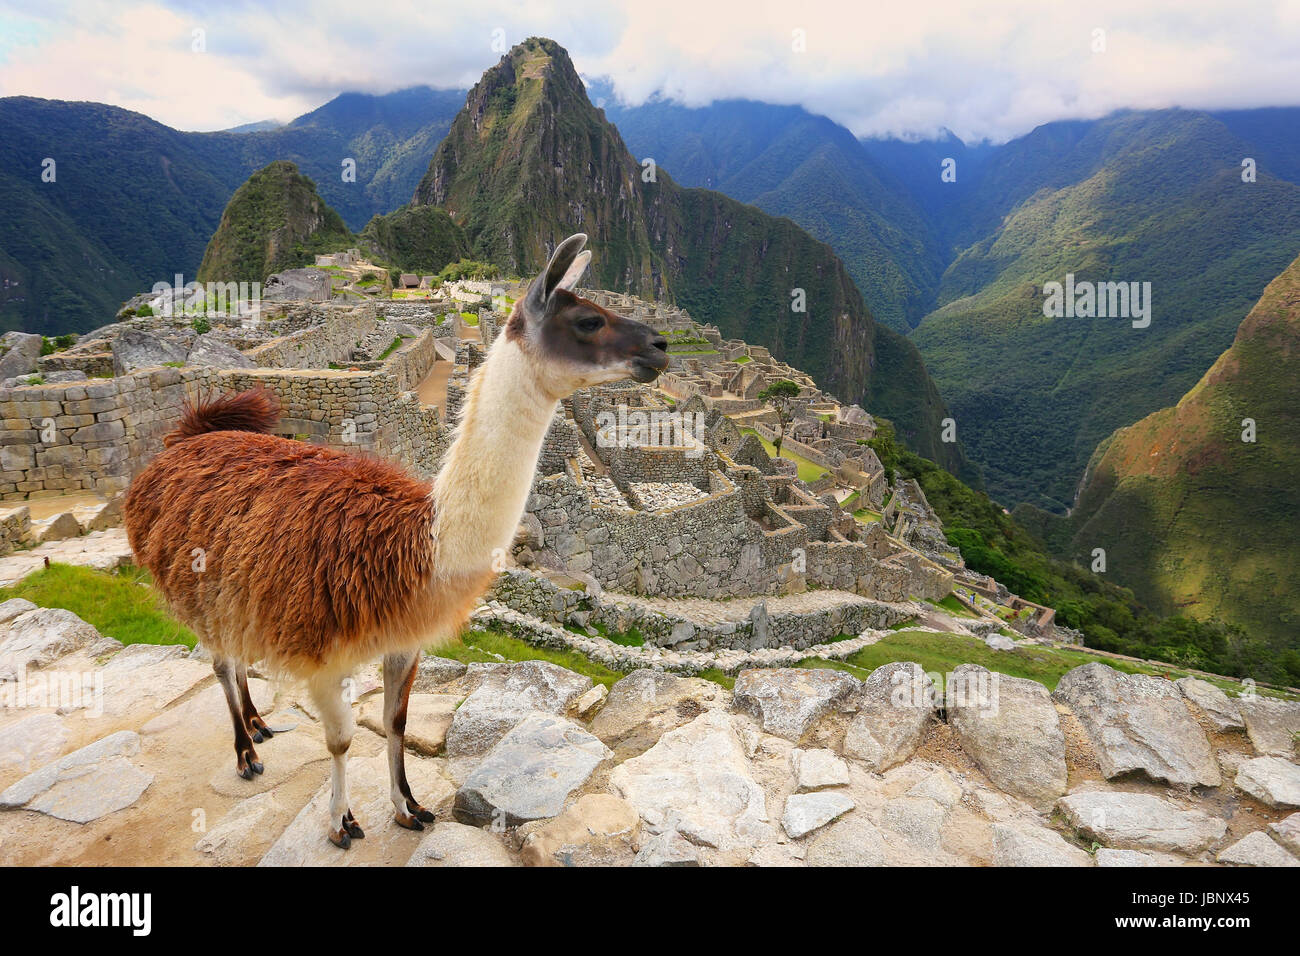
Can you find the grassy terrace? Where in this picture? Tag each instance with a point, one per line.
(807, 470)
(124, 605)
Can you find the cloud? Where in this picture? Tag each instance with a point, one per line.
(993, 69)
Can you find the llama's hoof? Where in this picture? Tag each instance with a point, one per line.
(256, 767)
(421, 814)
(352, 827)
(408, 822)
(260, 730)
(341, 839)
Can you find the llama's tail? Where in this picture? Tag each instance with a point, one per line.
(252, 411)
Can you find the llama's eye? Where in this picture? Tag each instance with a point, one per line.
(590, 324)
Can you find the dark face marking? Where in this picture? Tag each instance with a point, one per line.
(578, 331)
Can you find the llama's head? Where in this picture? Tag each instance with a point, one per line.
(573, 342)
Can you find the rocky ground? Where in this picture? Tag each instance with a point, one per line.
(123, 755)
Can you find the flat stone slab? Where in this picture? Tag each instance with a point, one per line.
(100, 550)
(208, 708)
(1141, 821)
(1257, 849)
(894, 708)
(1139, 723)
(228, 843)
(696, 780)
(282, 756)
(1009, 725)
(31, 741)
(806, 812)
(450, 843)
(1271, 725)
(1220, 709)
(1027, 845)
(1106, 856)
(428, 718)
(1271, 780)
(304, 841)
(86, 784)
(818, 769)
(531, 772)
(787, 701)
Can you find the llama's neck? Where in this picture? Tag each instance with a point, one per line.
(483, 487)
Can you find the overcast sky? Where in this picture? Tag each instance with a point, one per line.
(993, 69)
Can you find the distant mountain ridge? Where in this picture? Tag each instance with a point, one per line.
(530, 160)
(135, 202)
(1192, 516)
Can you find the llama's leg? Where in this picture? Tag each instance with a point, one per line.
(336, 717)
(257, 727)
(399, 675)
(227, 671)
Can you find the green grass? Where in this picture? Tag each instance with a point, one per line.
(121, 604)
(397, 344)
(494, 646)
(944, 652)
(954, 605)
(471, 318)
(808, 471)
(742, 360)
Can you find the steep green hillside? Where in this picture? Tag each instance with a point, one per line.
(134, 202)
(789, 162)
(1192, 517)
(274, 221)
(530, 160)
(1145, 197)
(420, 239)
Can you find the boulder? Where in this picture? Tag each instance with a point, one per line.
(1271, 724)
(894, 708)
(1271, 780)
(1256, 849)
(646, 704)
(504, 695)
(134, 349)
(1027, 845)
(999, 642)
(1010, 727)
(588, 703)
(38, 638)
(598, 830)
(696, 780)
(433, 672)
(21, 352)
(1287, 832)
(58, 527)
(1140, 821)
(212, 350)
(806, 812)
(531, 772)
(787, 701)
(817, 769)
(86, 784)
(1220, 710)
(1141, 723)
(454, 844)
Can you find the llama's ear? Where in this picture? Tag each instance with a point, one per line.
(564, 270)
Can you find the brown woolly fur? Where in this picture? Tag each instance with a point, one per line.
(311, 559)
(251, 411)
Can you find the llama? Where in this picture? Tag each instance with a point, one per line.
(314, 560)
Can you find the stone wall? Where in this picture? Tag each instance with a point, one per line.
(330, 341)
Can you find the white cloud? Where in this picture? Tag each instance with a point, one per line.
(991, 69)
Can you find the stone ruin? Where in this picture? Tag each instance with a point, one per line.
(661, 492)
